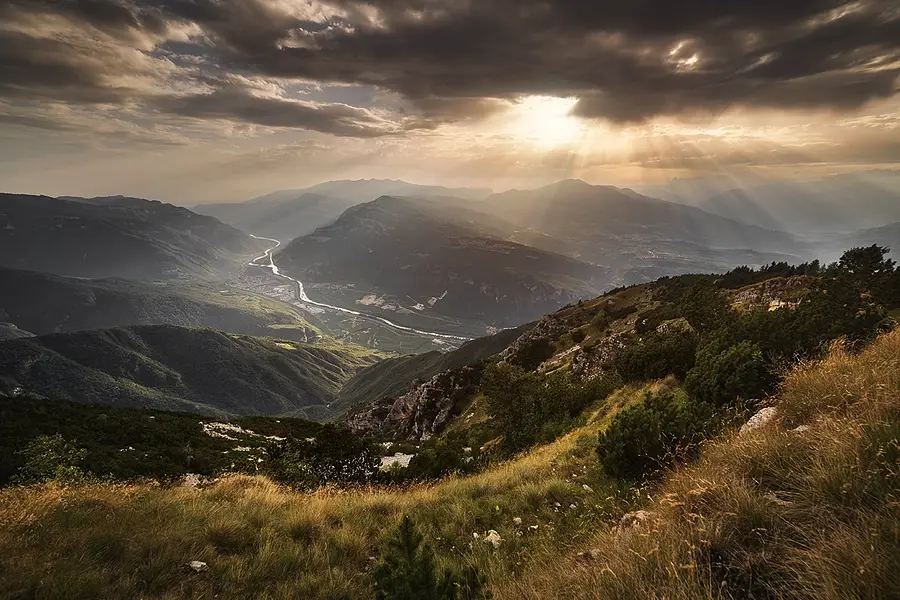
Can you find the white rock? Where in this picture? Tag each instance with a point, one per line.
(587, 488)
(800, 429)
(493, 538)
(533, 527)
(517, 520)
(198, 566)
(634, 519)
(760, 419)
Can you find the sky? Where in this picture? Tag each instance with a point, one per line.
(221, 100)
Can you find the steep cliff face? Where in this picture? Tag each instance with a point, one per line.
(422, 412)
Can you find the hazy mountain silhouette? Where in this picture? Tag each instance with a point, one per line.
(287, 214)
(439, 250)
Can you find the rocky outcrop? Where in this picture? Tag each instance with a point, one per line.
(592, 361)
(549, 327)
(422, 412)
(778, 292)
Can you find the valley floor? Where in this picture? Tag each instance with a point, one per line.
(805, 507)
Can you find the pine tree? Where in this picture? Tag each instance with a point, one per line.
(407, 571)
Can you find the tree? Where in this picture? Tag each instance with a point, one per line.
(51, 458)
(868, 272)
(657, 355)
(407, 571)
(527, 408)
(532, 353)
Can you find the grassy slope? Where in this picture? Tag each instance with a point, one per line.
(178, 368)
(773, 514)
(43, 303)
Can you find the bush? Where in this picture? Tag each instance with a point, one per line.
(657, 355)
(578, 336)
(722, 377)
(528, 408)
(51, 458)
(336, 455)
(532, 353)
(651, 319)
(407, 571)
(437, 458)
(647, 437)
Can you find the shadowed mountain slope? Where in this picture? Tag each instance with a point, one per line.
(117, 237)
(178, 368)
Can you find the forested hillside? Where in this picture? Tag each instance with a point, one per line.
(178, 368)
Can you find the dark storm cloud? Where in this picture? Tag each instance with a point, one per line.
(456, 59)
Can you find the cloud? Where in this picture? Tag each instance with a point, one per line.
(241, 106)
(451, 60)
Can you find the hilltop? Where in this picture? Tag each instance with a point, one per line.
(802, 505)
(287, 214)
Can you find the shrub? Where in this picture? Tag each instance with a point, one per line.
(407, 571)
(439, 457)
(335, 455)
(657, 355)
(578, 336)
(527, 408)
(651, 319)
(646, 437)
(532, 353)
(51, 458)
(721, 377)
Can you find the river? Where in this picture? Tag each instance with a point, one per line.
(301, 292)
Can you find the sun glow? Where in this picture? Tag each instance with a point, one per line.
(546, 121)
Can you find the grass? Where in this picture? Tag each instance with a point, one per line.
(263, 541)
(777, 513)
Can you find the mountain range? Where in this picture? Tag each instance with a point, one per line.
(837, 204)
(117, 237)
(438, 255)
(287, 214)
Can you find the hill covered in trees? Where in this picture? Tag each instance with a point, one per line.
(179, 368)
(117, 237)
(41, 303)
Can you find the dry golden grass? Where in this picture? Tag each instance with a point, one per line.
(810, 514)
(263, 541)
(777, 513)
